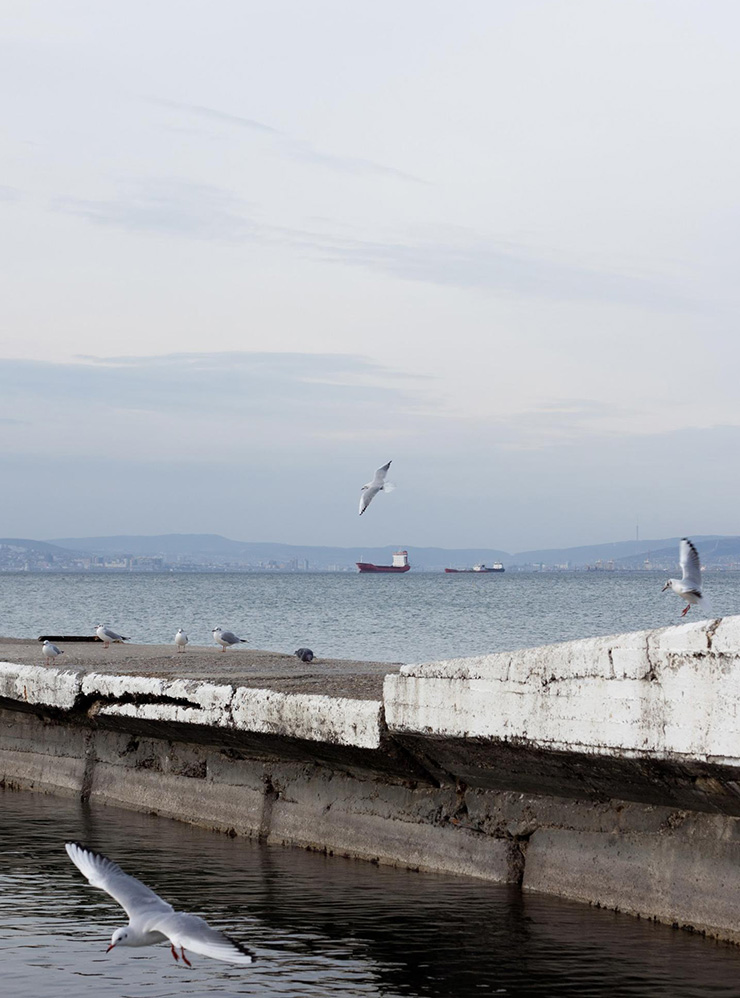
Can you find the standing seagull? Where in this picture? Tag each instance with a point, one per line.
(378, 484)
(181, 639)
(50, 650)
(226, 638)
(688, 587)
(150, 919)
(106, 635)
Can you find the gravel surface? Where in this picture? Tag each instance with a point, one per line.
(238, 666)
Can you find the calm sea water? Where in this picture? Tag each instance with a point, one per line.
(320, 926)
(407, 618)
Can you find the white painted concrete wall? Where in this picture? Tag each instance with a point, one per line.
(662, 693)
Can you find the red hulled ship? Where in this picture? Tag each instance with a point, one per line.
(400, 564)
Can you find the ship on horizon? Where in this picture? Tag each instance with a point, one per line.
(477, 569)
(400, 564)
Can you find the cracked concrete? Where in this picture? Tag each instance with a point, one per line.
(605, 770)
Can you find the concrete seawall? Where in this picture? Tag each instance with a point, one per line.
(605, 770)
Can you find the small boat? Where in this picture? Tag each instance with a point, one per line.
(477, 569)
(400, 564)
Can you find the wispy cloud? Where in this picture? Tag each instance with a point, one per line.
(9, 193)
(477, 262)
(171, 207)
(282, 384)
(464, 260)
(292, 148)
(213, 115)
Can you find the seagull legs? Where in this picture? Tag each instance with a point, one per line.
(184, 958)
(686, 609)
(174, 952)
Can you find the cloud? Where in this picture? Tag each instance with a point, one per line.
(466, 260)
(9, 193)
(475, 262)
(169, 207)
(200, 110)
(295, 149)
(207, 381)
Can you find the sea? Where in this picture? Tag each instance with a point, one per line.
(411, 617)
(327, 926)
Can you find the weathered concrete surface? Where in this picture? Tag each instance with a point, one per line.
(605, 770)
(239, 666)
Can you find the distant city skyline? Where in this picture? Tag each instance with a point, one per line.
(254, 250)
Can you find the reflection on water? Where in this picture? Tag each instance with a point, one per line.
(321, 926)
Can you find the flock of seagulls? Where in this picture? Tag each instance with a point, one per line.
(226, 639)
(151, 919)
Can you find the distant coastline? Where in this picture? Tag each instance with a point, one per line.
(211, 553)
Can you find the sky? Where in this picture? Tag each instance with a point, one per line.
(254, 249)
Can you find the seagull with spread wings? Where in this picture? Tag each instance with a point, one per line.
(378, 484)
(688, 587)
(151, 919)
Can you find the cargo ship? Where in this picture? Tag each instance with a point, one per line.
(400, 564)
(477, 569)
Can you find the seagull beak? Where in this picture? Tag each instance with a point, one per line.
(666, 586)
(110, 947)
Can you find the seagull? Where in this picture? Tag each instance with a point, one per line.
(688, 587)
(107, 635)
(378, 484)
(50, 650)
(226, 638)
(150, 919)
(181, 639)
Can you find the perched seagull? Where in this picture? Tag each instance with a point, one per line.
(152, 920)
(107, 635)
(688, 587)
(181, 639)
(226, 638)
(50, 650)
(378, 484)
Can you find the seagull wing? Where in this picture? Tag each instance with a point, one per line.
(367, 495)
(690, 566)
(195, 934)
(380, 474)
(135, 898)
(109, 633)
(229, 637)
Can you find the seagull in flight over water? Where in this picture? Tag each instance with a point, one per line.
(151, 919)
(688, 587)
(378, 484)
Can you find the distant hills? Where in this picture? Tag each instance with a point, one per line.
(213, 549)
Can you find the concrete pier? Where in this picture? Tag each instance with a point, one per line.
(605, 770)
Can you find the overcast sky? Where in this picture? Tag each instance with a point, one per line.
(253, 250)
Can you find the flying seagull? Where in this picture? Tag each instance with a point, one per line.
(688, 587)
(226, 638)
(50, 650)
(150, 919)
(106, 635)
(378, 484)
(181, 639)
